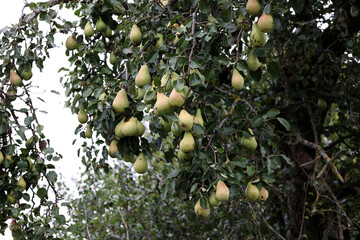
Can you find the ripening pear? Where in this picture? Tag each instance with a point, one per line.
(321, 104)
(240, 23)
(118, 128)
(166, 124)
(184, 156)
(11, 94)
(88, 131)
(21, 183)
(177, 99)
(140, 164)
(100, 25)
(264, 194)
(140, 92)
(252, 192)
(143, 77)
(257, 37)
(113, 149)
(253, 7)
(26, 74)
(113, 58)
(107, 32)
(15, 78)
(175, 129)
(120, 102)
(82, 116)
(187, 144)
(266, 23)
(130, 127)
(186, 120)
(140, 127)
(30, 143)
(102, 96)
(198, 119)
(237, 80)
(160, 40)
(88, 29)
(162, 104)
(128, 156)
(11, 196)
(30, 163)
(13, 226)
(1, 157)
(222, 191)
(70, 43)
(9, 158)
(202, 212)
(135, 34)
(252, 61)
(213, 201)
(249, 143)
(166, 81)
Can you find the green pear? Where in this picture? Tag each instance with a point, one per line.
(162, 104)
(176, 98)
(201, 212)
(26, 74)
(128, 156)
(135, 34)
(184, 156)
(257, 37)
(166, 125)
(143, 77)
(160, 40)
(30, 143)
(249, 143)
(266, 23)
(82, 116)
(237, 80)
(198, 119)
(175, 129)
(252, 61)
(140, 127)
(100, 25)
(1, 157)
(253, 7)
(166, 82)
(186, 120)
(140, 164)
(119, 9)
(322, 104)
(11, 197)
(70, 43)
(121, 102)
(187, 144)
(11, 94)
(213, 201)
(252, 192)
(130, 127)
(107, 32)
(102, 96)
(118, 128)
(264, 194)
(222, 191)
(113, 149)
(30, 163)
(244, 24)
(88, 29)
(88, 131)
(140, 92)
(21, 183)
(9, 158)
(15, 78)
(113, 58)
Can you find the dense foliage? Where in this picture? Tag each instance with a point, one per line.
(291, 126)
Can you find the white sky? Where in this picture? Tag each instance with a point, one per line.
(59, 123)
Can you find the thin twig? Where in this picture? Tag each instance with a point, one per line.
(126, 227)
(303, 213)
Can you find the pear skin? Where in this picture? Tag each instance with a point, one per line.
(237, 80)
(162, 104)
(135, 34)
(198, 119)
(213, 201)
(252, 192)
(82, 116)
(140, 92)
(249, 143)
(70, 43)
(88, 29)
(130, 128)
(257, 37)
(21, 183)
(177, 99)
(107, 32)
(187, 144)
(26, 74)
(11, 196)
(253, 7)
(252, 61)
(143, 77)
(222, 191)
(245, 25)
(264, 194)
(15, 78)
(113, 58)
(1, 157)
(266, 23)
(140, 164)
(201, 212)
(100, 25)
(121, 102)
(128, 156)
(186, 120)
(113, 149)
(140, 127)
(160, 40)
(88, 131)
(184, 156)
(118, 128)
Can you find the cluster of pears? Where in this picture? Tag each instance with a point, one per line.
(16, 80)
(252, 193)
(221, 194)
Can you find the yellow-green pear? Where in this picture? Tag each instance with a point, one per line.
(88, 131)
(121, 102)
(11, 94)
(322, 104)
(164, 2)
(119, 9)
(135, 34)
(253, 7)
(266, 23)
(30, 143)
(128, 156)
(252, 192)
(113, 149)
(140, 164)
(252, 61)
(107, 32)
(15, 78)
(143, 77)
(113, 58)
(100, 25)
(130, 127)
(140, 92)
(21, 183)
(88, 29)
(222, 191)
(237, 80)
(213, 201)
(176, 98)
(264, 194)
(82, 116)
(9, 158)
(244, 24)
(1, 157)
(102, 96)
(184, 156)
(166, 82)
(166, 124)
(160, 40)
(257, 37)
(249, 142)
(202, 212)
(140, 127)
(118, 128)
(70, 43)
(187, 144)
(11, 196)
(30, 163)
(175, 129)
(186, 120)
(198, 119)
(162, 104)
(26, 74)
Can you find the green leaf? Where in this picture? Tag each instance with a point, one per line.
(297, 5)
(198, 129)
(285, 123)
(140, 107)
(274, 70)
(42, 192)
(288, 160)
(173, 173)
(193, 187)
(52, 176)
(272, 113)
(203, 202)
(250, 170)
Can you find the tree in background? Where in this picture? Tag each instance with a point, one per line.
(251, 110)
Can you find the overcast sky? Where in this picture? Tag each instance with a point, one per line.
(59, 123)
